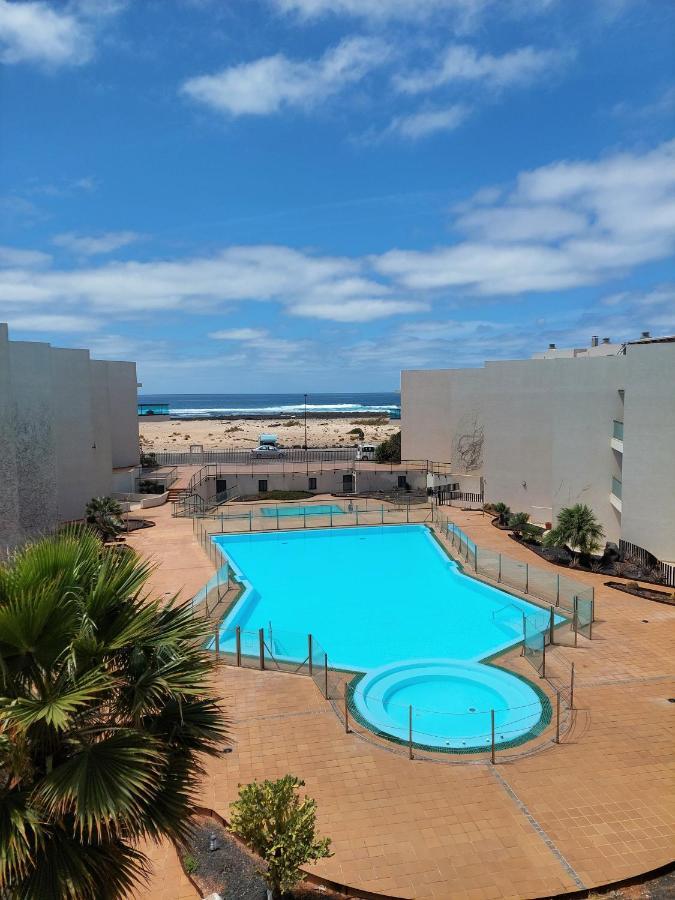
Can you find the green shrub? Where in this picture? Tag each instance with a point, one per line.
(190, 864)
(503, 512)
(576, 528)
(281, 827)
(389, 451)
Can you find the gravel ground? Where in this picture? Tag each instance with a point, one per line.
(232, 871)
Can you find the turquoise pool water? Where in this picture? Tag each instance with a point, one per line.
(316, 509)
(451, 703)
(370, 595)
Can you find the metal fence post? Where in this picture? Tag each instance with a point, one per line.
(382, 514)
(551, 627)
(592, 604)
(346, 715)
(557, 590)
(325, 675)
(575, 619)
(410, 738)
(524, 634)
(590, 624)
(309, 652)
(527, 578)
(557, 717)
(475, 558)
(407, 513)
(217, 643)
(543, 657)
(237, 633)
(250, 520)
(572, 687)
(261, 647)
(492, 727)
(499, 573)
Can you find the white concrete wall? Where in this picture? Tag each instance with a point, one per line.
(123, 412)
(648, 517)
(425, 415)
(9, 481)
(547, 428)
(62, 418)
(34, 434)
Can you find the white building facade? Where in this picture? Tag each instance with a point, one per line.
(593, 426)
(66, 421)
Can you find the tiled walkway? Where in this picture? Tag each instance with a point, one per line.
(598, 808)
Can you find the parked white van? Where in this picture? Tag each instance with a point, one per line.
(366, 451)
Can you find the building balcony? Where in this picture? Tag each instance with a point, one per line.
(615, 494)
(617, 436)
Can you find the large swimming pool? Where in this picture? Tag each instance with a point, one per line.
(370, 595)
(389, 602)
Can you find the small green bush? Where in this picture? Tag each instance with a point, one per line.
(280, 826)
(190, 864)
(389, 451)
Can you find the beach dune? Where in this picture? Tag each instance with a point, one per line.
(243, 434)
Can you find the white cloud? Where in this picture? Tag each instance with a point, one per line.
(273, 83)
(356, 310)
(573, 224)
(45, 322)
(11, 257)
(461, 64)
(49, 34)
(427, 122)
(93, 245)
(37, 33)
(238, 334)
(464, 13)
(314, 286)
(524, 223)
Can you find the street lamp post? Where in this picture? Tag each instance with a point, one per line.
(306, 448)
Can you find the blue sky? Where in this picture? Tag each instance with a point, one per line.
(311, 195)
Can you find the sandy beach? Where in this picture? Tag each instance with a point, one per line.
(243, 434)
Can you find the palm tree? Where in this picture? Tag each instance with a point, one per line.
(105, 709)
(578, 529)
(518, 521)
(503, 512)
(104, 514)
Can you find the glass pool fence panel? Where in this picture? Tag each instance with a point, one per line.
(489, 564)
(286, 651)
(583, 615)
(514, 573)
(534, 644)
(318, 667)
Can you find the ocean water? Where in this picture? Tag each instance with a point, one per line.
(190, 406)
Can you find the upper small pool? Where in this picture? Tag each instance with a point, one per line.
(316, 509)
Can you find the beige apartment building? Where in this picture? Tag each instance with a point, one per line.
(66, 422)
(592, 425)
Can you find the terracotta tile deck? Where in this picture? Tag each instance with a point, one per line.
(597, 808)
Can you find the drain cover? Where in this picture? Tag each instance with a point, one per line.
(472, 709)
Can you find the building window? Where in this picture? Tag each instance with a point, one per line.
(402, 480)
(262, 486)
(221, 485)
(347, 484)
(312, 484)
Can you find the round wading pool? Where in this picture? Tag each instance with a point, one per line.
(451, 702)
